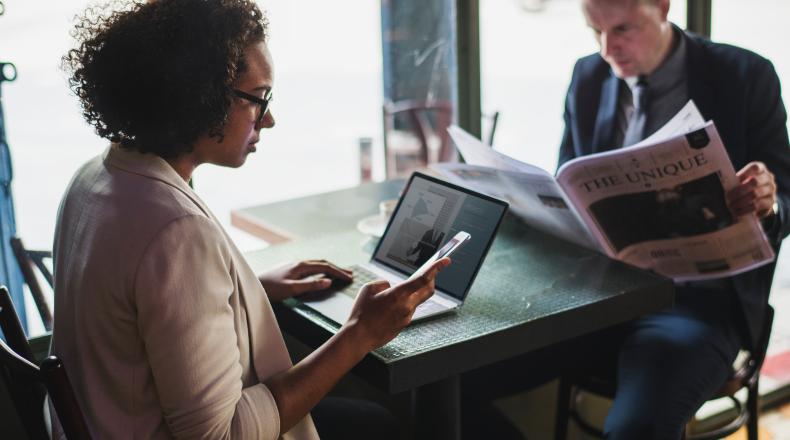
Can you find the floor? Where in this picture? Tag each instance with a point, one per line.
(773, 425)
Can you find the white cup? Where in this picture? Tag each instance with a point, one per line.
(387, 207)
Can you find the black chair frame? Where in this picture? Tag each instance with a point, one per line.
(746, 376)
(28, 384)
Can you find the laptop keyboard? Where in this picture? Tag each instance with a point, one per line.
(363, 276)
(428, 307)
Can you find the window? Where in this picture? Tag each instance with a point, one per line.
(328, 92)
(527, 52)
(419, 83)
(328, 95)
(761, 27)
(758, 26)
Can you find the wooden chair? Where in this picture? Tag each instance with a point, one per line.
(29, 262)
(494, 117)
(415, 135)
(28, 383)
(746, 375)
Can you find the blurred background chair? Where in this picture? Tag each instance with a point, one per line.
(28, 384)
(745, 375)
(415, 135)
(493, 120)
(30, 263)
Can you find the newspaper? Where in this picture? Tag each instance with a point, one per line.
(659, 204)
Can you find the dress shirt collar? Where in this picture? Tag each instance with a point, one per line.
(670, 71)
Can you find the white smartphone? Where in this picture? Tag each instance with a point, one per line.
(447, 250)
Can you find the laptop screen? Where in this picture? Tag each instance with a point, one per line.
(430, 212)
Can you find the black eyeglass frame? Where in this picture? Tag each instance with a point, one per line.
(263, 103)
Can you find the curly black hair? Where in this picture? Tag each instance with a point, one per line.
(155, 76)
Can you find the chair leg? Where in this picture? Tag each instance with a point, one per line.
(752, 409)
(563, 407)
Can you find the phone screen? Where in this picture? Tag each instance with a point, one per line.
(451, 246)
(446, 249)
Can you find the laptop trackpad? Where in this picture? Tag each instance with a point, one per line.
(336, 306)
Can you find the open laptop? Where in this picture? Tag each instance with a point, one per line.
(429, 213)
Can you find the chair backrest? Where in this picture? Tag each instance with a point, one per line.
(492, 131)
(28, 384)
(758, 356)
(22, 380)
(61, 394)
(20, 375)
(426, 120)
(29, 262)
(765, 336)
(747, 374)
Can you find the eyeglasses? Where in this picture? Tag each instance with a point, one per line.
(263, 103)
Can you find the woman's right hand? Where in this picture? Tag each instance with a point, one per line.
(381, 311)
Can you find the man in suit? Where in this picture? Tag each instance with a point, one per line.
(669, 363)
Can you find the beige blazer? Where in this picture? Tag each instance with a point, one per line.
(164, 329)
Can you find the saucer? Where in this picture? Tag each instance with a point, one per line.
(373, 225)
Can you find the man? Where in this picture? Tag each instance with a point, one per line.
(669, 363)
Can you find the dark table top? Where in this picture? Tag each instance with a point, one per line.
(315, 215)
(533, 290)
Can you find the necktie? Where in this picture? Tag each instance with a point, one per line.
(636, 124)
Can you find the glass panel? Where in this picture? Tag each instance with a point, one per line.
(419, 82)
(328, 101)
(527, 50)
(760, 26)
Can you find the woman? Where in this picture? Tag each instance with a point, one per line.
(164, 329)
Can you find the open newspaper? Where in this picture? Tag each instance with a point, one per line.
(659, 204)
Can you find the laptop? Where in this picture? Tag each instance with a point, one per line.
(429, 213)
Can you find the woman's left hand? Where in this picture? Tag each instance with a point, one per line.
(293, 279)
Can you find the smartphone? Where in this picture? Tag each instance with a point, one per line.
(447, 250)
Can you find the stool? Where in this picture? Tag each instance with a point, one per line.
(746, 374)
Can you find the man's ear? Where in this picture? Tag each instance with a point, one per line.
(663, 6)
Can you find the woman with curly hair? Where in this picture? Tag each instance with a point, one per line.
(164, 329)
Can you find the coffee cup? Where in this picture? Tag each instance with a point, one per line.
(387, 207)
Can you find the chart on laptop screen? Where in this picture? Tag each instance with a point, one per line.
(429, 215)
(424, 226)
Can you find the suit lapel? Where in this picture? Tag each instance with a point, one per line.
(607, 115)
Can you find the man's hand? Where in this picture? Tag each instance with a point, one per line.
(381, 311)
(756, 192)
(297, 278)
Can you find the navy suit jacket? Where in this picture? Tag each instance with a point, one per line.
(737, 89)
